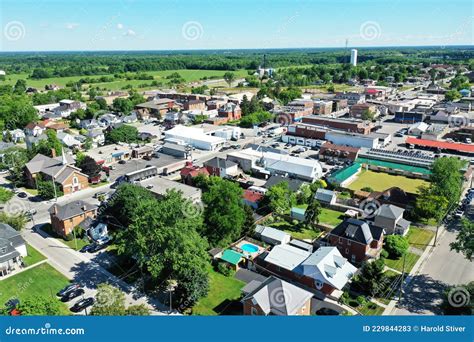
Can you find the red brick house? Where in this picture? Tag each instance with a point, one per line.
(190, 171)
(356, 240)
(275, 297)
(67, 216)
(194, 105)
(230, 111)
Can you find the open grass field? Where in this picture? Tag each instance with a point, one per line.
(419, 237)
(188, 75)
(42, 280)
(33, 256)
(379, 181)
(411, 259)
(223, 291)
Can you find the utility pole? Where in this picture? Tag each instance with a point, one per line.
(400, 295)
(55, 194)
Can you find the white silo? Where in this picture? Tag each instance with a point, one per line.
(354, 57)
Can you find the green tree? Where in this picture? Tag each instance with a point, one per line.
(109, 301)
(125, 133)
(17, 221)
(163, 239)
(279, 198)
(137, 310)
(89, 167)
(122, 105)
(452, 95)
(224, 212)
(371, 276)
(5, 195)
(20, 87)
(367, 115)
(229, 77)
(465, 239)
(36, 305)
(312, 213)
(428, 205)
(46, 189)
(46, 147)
(396, 246)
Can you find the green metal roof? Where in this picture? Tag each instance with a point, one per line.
(395, 166)
(340, 176)
(231, 256)
(298, 210)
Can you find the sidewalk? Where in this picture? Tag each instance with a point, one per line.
(416, 268)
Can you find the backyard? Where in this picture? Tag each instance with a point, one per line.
(223, 295)
(379, 181)
(42, 280)
(297, 231)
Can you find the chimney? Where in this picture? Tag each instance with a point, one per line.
(55, 209)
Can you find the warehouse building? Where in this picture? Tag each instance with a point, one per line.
(194, 137)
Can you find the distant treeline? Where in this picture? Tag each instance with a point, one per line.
(55, 64)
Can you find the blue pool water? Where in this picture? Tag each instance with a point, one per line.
(248, 247)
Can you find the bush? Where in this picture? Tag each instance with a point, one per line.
(396, 246)
(79, 232)
(69, 237)
(224, 269)
(361, 300)
(384, 254)
(367, 189)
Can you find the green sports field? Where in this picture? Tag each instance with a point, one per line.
(379, 181)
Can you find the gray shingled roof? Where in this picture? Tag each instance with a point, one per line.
(71, 209)
(390, 211)
(278, 297)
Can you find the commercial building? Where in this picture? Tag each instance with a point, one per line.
(330, 151)
(194, 137)
(351, 97)
(358, 110)
(322, 107)
(270, 163)
(352, 139)
(347, 125)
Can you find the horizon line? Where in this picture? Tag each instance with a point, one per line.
(248, 49)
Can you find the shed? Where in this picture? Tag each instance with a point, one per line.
(271, 235)
(298, 213)
(325, 196)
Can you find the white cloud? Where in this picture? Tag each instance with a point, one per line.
(71, 26)
(120, 26)
(130, 33)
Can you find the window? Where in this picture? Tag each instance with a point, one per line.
(347, 251)
(319, 284)
(348, 242)
(353, 258)
(340, 239)
(75, 181)
(253, 311)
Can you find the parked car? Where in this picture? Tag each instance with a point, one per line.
(103, 240)
(86, 248)
(99, 194)
(82, 304)
(121, 162)
(72, 294)
(22, 194)
(96, 247)
(67, 289)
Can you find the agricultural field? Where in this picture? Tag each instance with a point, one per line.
(187, 74)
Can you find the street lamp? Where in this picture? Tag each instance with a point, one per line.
(171, 286)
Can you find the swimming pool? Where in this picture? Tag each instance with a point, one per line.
(248, 247)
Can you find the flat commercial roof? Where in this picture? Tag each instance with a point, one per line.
(469, 148)
(394, 166)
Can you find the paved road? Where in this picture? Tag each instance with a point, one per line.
(442, 268)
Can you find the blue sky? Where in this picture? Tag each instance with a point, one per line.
(45, 25)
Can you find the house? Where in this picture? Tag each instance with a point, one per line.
(67, 216)
(390, 218)
(252, 198)
(221, 167)
(357, 240)
(67, 107)
(190, 171)
(109, 120)
(17, 135)
(271, 235)
(130, 118)
(418, 128)
(35, 129)
(275, 297)
(293, 184)
(325, 196)
(395, 196)
(324, 270)
(230, 111)
(60, 170)
(97, 136)
(155, 108)
(12, 249)
(68, 140)
(89, 124)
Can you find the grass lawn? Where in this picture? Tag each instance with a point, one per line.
(71, 244)
(33, 256)
(188, 75)
(296, 231)
(380, 181)
(42, 280)
(223, 290)
(371, 309)
(33, 192)
(331, 217)
(419, 237)
(98, 184)
(411, 260)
